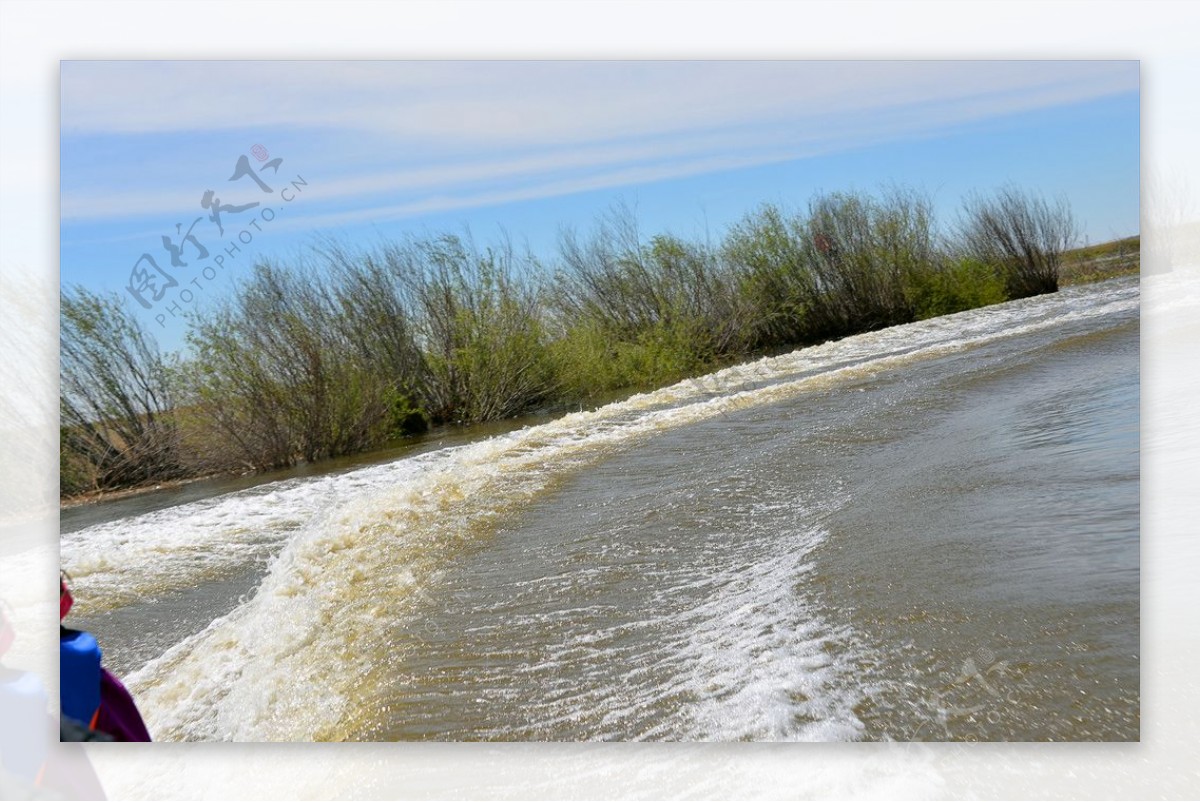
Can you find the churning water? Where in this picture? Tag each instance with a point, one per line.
(923, 533)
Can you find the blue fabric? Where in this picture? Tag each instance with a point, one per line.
(79, 675)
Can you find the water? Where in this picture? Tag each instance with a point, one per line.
(924, 533)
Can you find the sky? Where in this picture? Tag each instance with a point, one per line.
(259, 159)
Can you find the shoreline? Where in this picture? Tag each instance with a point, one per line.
(100, 496)
(1086, 265)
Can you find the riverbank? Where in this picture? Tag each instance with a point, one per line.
(1122, 257)
(1080, 265)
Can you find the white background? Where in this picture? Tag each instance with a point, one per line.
(34, 37)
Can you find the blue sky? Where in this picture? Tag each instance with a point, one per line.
(384, 149)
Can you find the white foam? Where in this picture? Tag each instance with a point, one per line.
(124, 561)
(296, 660)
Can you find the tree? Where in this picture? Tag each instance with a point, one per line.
(115, 396)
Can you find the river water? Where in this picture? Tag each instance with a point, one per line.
(929, 532)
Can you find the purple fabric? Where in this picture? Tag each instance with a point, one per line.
(119, 716)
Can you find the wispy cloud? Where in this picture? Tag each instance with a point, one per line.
(538, 102)
(442, 202)
(484, 133)
(393, 140)
(98, 203)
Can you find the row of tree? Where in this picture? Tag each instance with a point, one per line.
(354, 347)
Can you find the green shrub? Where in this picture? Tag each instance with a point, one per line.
(405, 417)
(590, 362)
(350, 348)
(76, 474)
(115, 398)
(274, 371)
(1019, 234)
(767, 259)
(954, 287)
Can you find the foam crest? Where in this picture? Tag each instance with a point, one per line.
(355, 554)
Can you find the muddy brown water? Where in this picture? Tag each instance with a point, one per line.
(924, 533)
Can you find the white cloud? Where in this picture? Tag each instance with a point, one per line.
(101, 203)
(516, 130)
(442, 202)
(539, 102)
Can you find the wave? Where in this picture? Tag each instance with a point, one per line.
(306, 657)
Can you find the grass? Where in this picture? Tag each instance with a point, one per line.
(1101, 262)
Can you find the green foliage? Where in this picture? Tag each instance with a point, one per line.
(839, 268)
(405, 418)
(480, 332)
(350, 348)
(115, 399)
(634, 314)
(274, 372)
(955, 287)
(1020, 235)
(768, 262)
(76, 474)
(590, 362)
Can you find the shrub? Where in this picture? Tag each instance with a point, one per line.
(1021, 235)
(116, 404)
(276, 373)
(954, 286)
(767, 258)
(628, 313)
(841, 268)
(479, 329)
